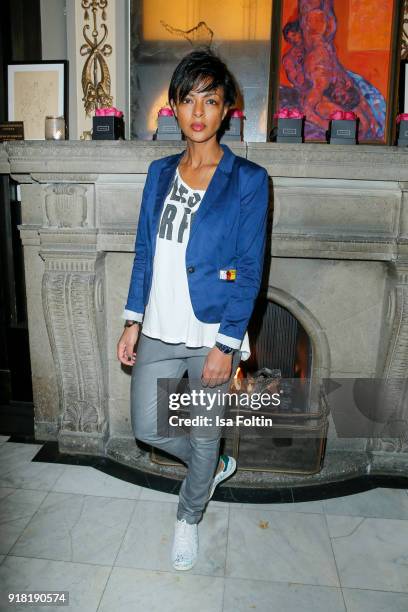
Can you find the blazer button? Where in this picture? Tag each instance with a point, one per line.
(190, 269)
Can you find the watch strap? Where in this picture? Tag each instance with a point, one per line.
(129, 323)
(227, 350)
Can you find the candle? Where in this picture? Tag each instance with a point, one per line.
(54, 128)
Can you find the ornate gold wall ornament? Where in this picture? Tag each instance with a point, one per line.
(86, 135)
(96, 81)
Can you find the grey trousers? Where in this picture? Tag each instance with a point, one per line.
(158, 359)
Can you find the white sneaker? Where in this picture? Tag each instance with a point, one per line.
(230, 465)
(185, 545)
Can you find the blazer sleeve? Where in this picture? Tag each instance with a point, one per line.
(250, 258)
(134, 308)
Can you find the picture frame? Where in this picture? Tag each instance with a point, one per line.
(162, 33)
(36, 90)
(361, 54)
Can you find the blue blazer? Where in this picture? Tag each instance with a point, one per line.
(228, 231)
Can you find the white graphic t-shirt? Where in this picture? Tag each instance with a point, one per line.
(169, 314)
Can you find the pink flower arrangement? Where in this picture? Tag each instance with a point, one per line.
(108, 112)
(340, 115)
(289, 113)
(236, 112)
(165, 111)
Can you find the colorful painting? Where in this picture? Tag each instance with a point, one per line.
(337, 55)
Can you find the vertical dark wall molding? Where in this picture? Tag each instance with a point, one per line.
(20, 40)
(25, 30)
(276, 27)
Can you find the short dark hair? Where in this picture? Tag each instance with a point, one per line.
(202, 65)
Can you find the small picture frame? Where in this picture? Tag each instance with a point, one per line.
(36, 90)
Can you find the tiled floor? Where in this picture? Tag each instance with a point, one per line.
(107, 542)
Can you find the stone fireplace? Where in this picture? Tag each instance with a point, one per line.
(333, 301)
(281, 358)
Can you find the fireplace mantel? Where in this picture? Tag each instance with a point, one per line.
(351, 200)
(310, 160)
(337, 259)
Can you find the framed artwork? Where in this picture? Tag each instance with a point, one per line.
(36, 90)
(340, 55)
(162, 33)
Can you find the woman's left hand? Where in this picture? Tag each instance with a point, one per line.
(217, 368)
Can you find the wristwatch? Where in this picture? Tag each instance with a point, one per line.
(129, 323)
(227, 350)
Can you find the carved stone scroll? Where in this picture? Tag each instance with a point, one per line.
(71, 290)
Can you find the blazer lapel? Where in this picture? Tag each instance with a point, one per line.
(218, 182)
(165, 179)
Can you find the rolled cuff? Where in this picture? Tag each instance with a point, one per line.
(132, 316)
(228, 340)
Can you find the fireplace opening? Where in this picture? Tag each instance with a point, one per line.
(281, 356)
(278, 341)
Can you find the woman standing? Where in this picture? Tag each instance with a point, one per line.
(196, 274)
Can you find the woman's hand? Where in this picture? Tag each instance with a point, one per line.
(126, 346)
(217, 368)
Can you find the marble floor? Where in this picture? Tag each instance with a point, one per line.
(107, 542)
